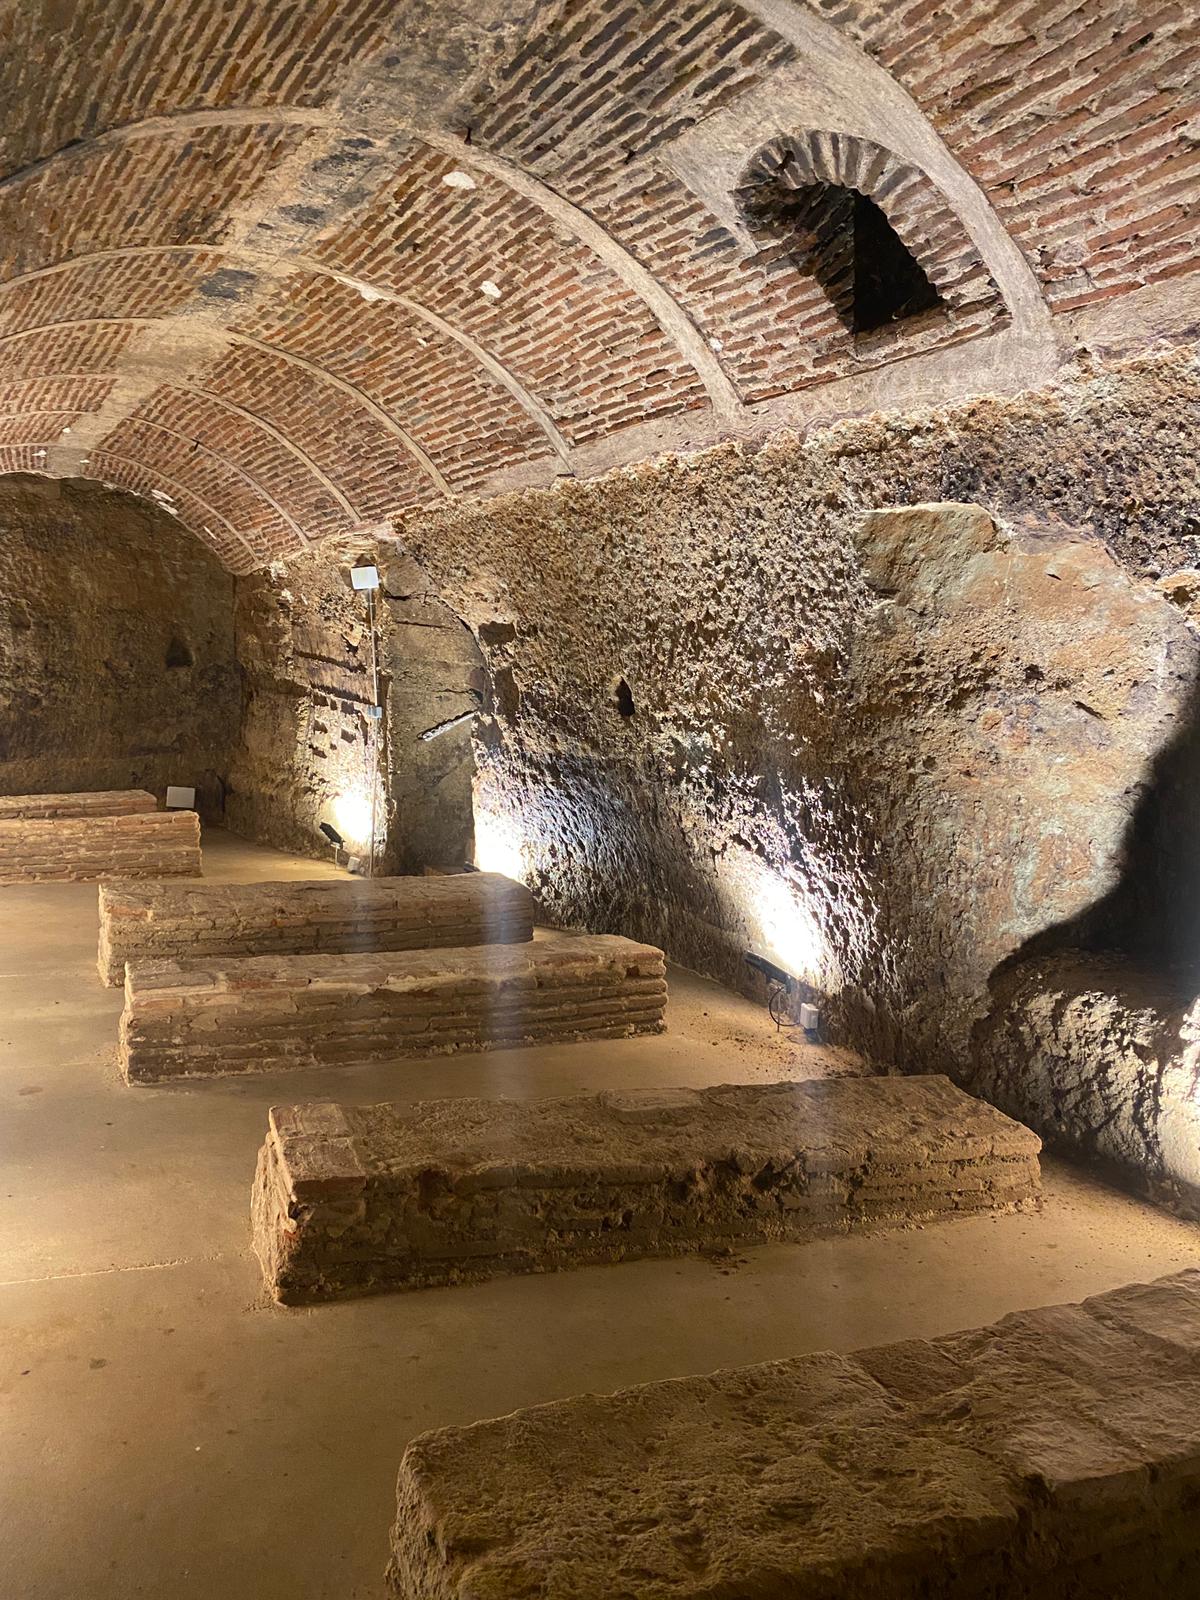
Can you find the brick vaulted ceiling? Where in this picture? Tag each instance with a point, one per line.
(298, 268)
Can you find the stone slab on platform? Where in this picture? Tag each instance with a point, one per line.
(147, 844)
(103, 803)
(271, 1012)
(353, 1199)
(1054, 1453)
(202, 921)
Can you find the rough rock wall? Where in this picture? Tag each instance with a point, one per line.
(116, 645)
(740, 711)
(309, 752)
(1103, 1056)
(436, 683)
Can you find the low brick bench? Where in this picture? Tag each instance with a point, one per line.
(1054, 1453)
(147, 844)
(188, 922)
(350, 1199)
(104, 803)
(270, 1012)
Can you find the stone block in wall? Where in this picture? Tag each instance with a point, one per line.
(1053, 1453)
(200, 921)
(103, 803)
(185, 1018)
(353, 1199)
(147, 844)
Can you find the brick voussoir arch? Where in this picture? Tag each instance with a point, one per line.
(139, 478)
(231, 339)
(917, 210)
(95, 386)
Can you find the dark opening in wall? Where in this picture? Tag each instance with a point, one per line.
(623, 698)
(178, 654)
(506, 695)
(846, 242)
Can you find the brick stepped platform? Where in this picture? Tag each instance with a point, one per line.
(1055, 1453)
(352, 1199)
(270, 1012)
(190, 922)
(147, 844)
(104, 803)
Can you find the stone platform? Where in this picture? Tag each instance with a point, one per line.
(1055, 1453)
(103, 803)
(147, 844)
(272, 1012)
(352, 1199)
(190, 922)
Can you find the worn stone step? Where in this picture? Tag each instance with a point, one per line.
(204, 921)
(149, 844)
(1053, 1453)
(102, 803)
(352, 1199)
(184, 1018)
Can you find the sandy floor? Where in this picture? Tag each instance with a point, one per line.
(164, 1431)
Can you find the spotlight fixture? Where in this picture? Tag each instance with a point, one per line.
(335, 839)
(780, 985)
(364, 577)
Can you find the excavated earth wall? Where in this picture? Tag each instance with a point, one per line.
(309, 751)
(117, 665)
(747, 705)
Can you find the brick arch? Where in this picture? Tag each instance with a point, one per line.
(141, 280)
(920, 215)
(127, 472)
(238, 543)
(272, 466)
(258, 140)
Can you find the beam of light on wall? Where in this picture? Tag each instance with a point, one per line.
(498, 845)
(351, 815)
(779, 922)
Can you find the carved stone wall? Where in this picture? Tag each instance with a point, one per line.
(750, 707)
(116, 646)
(309, 751)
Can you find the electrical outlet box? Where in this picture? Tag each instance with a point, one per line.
(810, 1017)
(373, 713)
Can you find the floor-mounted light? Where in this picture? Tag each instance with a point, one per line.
(335, 839)
(781, 986)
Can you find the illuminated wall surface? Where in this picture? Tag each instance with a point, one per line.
(885, 749)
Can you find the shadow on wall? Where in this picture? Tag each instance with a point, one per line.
(1151, 915)
(1093, 1031)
